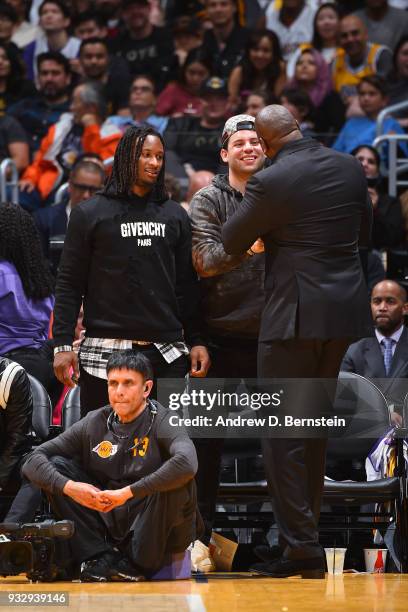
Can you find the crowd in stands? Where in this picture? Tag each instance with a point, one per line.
(75, 75)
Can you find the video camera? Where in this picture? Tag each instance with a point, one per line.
(30, 548)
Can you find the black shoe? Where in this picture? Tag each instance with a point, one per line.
(124, 571)
(283, 568)
(112, 566)
(99, 569)
(268, 553)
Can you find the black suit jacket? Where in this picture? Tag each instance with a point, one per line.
(51, 221)
(365, 358)
(310, 207)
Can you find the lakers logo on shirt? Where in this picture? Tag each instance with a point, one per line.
(105, 449)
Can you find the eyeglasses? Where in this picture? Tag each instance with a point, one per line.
(142, 88)
(81, 187)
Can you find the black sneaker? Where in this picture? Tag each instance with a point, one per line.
(100, 569)
(124, 571)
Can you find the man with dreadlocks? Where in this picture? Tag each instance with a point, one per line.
(127, 255)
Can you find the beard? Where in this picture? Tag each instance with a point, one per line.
(53, 93)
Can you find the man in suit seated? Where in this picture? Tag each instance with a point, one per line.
(87, 176)
(384, 357)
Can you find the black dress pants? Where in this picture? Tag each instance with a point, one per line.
(233, 360)
(94, 391)
(295, 467)
(145, 530)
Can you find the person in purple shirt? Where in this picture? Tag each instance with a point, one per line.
(26, 295)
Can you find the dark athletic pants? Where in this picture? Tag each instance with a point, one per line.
(94, 391)
(295, 467)
(144, 530)
(232, 360)
(25, 504)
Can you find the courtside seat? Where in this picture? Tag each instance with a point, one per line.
(42, 411)
(71, 409)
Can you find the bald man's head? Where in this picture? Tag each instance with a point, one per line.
(353, 36)
(388, 306)
(276, 126)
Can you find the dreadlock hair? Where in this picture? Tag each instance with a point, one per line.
(20, 245)
(125, 164)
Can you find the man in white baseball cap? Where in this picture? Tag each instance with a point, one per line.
(233, 298)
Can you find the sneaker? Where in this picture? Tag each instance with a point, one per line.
(99, 569)
(124, 571)
(112, 566)
(201, 560)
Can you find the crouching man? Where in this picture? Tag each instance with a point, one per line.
(124, 476)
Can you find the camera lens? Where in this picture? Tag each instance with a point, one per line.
(18, 557)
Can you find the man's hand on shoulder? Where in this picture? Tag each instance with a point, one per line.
(63, 362)
(200, 361)
(85, 494)
(257, 247)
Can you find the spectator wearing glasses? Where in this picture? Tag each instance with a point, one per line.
(142, 106)
(86, 178)
(79, 131)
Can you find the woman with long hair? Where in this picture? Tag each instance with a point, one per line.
(13, 85)
(312, 74)
(326, 30)
(182, 97)
(26, 294)
(326, 27)
(388, 222)
(261, 69)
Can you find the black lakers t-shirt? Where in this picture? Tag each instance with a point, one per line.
(164, 457)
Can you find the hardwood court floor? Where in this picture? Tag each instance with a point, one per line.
(350, 592)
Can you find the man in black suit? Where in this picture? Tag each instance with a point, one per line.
(310, 207)
(384, 358)
(87, 176)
